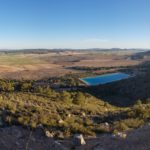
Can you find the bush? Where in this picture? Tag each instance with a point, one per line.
(26, 87)
(120, 126)
(66, 97)
(79, 99)
(133, 123)
(138, 102)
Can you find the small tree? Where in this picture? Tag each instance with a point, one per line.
(79, 99)
(138, 102)
(66, 97)
(26, 87)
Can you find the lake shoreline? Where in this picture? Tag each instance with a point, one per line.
(104, 79)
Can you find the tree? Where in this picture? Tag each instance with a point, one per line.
(79, 99)
(66, 97)
(6, 86)
(26, 86)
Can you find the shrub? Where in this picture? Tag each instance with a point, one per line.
(26, 87)
(120, 126)
(138, 102)
(79, 99)
(133, 123)
(66, 97)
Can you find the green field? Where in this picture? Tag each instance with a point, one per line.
(16, 59)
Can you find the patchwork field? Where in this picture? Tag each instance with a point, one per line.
(36, 66)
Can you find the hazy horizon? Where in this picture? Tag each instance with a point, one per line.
(113, 48)
(76, 24)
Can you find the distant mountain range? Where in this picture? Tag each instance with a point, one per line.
(67, 49)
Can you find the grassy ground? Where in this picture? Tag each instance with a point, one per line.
(17, 60)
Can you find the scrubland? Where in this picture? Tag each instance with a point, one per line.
(42, 90)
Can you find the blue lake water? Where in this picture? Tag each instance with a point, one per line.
(103, 79)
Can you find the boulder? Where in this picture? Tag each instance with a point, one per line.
(78, 140)
(107, 124)
(83, 114)
(120, 135)
(40, 126)
(60, 121)
(60, 135)
(48, 134)
(69, 115)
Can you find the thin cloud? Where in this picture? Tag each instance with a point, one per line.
(93, 40)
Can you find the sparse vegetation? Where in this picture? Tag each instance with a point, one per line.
(63, 106)
(21, 103)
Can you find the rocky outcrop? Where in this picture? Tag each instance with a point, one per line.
(18, 138)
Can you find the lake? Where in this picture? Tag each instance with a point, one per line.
(106, 78)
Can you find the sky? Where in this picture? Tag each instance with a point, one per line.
(77, 24)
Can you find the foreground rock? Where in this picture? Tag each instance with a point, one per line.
(18, 138)
(48, 134)
(135, 140)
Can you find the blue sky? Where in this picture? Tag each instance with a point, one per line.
(74, 23)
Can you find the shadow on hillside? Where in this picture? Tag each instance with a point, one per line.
(125, 92)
